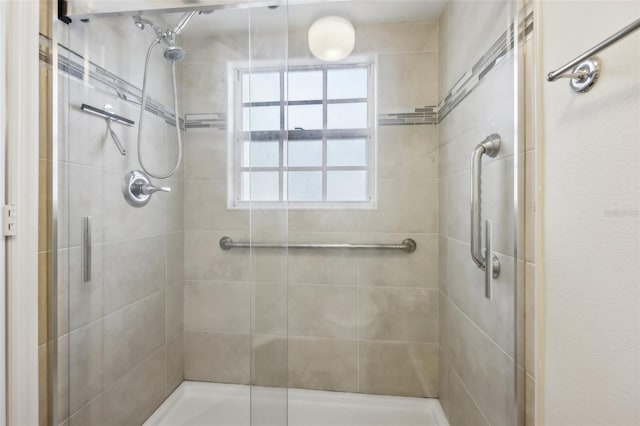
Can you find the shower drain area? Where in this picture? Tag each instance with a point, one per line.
(212, 404)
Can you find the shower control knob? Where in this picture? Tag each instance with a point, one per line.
(137, 188)
(148, 189)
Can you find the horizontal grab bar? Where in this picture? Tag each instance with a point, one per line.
(409, 245)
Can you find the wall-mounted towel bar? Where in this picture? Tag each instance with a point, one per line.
(488, 263)
(408, 245)
(586, 68)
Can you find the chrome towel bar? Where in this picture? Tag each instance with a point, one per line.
(586, 68)
(488, 263)
(408, 245)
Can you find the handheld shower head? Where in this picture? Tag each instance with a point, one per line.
(174, 53)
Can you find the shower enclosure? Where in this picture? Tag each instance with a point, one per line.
(309, 260)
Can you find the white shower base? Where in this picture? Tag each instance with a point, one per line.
(211, 404)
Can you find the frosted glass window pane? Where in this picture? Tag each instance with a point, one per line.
(261, 87)
(347, 116)
(347, 84)
(261, 118)
(347, 152)
(260, 186)
(260, 154)
(305, 153)
(347, 186)
(305, 186)
(307, 117)
(305, 85)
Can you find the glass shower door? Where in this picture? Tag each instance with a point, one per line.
(280, 148)
(121, 282)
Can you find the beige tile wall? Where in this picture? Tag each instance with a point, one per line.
(476, 334)
(120, 336)
(353, 321)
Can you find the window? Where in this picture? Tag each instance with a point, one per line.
(303, 136)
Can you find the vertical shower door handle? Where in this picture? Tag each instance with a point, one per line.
(488, 262)
(86, 249)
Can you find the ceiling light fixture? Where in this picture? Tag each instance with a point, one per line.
(332, 38)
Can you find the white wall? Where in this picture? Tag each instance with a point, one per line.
(591, 208)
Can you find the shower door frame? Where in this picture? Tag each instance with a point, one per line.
(20, 62)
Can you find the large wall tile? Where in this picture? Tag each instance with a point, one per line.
(403, 206)
(127, 280)
(399, 368)
(312, 266)
(415, 80)
(206, 261)
(79, 303)
(175, 362)
(222, 358)
(323, 311)
(322, 220)
(217, 307)
(481, 365)
(408, 152)
(398, 314)
(175, 205)
(175, 311)
(392, 37)
(324, 364)
(132, 334)
(494, 316)
(137, 394)
(206, 202)
(463, 410)
(85, 365)
(270, 361)
(205, 154)
(270, 311)
(398, 268)
(175, 258)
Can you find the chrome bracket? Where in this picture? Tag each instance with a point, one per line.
(584, 76)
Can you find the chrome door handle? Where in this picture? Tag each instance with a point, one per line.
(488, 263)
(492, 265)
(86, 249)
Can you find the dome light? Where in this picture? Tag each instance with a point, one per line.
(332, 38)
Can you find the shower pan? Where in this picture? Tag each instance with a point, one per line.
(306, 261)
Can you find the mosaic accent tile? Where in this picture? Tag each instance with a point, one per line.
(73, 64)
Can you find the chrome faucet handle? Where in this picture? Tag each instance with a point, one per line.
(137, 188)
(148, 189)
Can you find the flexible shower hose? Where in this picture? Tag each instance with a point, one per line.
(177, 116)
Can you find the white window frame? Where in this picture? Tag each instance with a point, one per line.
(236, 135)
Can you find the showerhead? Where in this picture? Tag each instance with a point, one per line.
(174, 53)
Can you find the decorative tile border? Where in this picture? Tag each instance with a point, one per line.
(427, 115)
(472, 78)
(75, 65)
(211, 120)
